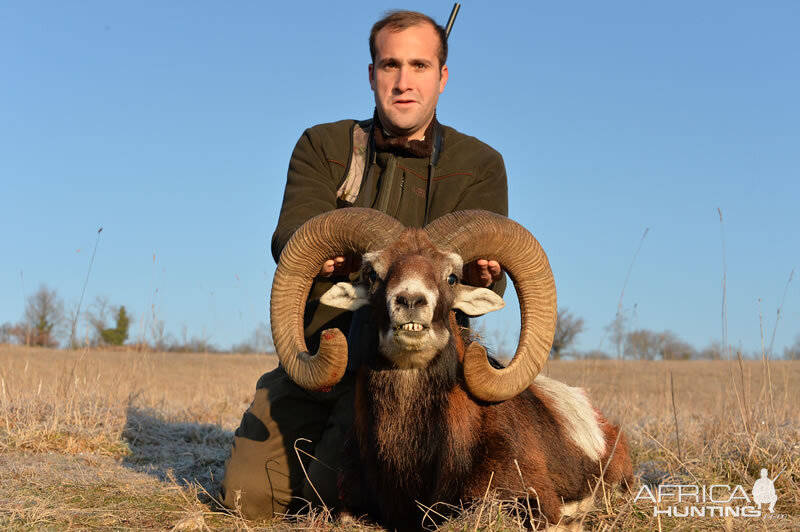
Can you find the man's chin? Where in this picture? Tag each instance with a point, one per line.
(399, 124)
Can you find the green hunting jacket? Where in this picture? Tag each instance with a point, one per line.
(469, 175)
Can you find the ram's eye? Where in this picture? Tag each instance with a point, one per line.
(452, 279)
(372, 276)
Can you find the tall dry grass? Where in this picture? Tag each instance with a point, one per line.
(149, 432)
(116, 439)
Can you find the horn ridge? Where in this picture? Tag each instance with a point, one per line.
(338, 232)
(482, 234)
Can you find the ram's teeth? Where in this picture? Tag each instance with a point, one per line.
(412, 327)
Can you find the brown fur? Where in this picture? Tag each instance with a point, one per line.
(619, 470)
(473, 442)
(420, 436)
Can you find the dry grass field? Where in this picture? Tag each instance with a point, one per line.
(125, 439)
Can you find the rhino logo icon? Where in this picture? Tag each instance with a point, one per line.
(764, 491)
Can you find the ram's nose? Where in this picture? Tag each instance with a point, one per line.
(410, 300)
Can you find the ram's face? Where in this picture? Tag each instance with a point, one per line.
(412, 289)
(412, 294)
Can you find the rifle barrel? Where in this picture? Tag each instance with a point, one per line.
(452, 19)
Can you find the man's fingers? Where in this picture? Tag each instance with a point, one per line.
(340, 266)
(327, 268)
(330, 265)
(482, 272)
(495, 269)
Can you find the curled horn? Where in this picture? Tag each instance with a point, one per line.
(485, 235)
(339, 232)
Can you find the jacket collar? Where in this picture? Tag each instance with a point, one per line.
(402, 145)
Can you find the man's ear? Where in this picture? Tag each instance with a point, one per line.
(371, 77)
(346, 296)
(443, 75)
(474, 301)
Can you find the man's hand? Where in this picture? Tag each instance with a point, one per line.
(339, 266)
(482, 273)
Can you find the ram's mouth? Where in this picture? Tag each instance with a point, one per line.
(410, 327)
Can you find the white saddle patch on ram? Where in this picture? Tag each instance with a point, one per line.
(578, 415)
(575, 509)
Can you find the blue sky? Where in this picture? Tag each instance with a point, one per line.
(171, 124)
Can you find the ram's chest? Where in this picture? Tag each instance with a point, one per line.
(401, 418)
(418, 442)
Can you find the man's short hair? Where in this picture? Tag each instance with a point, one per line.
(400, 20)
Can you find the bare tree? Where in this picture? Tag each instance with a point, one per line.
(44, 318)
(712, 351)
(643, 344)
(568, 327)
(6, 333)
(97, 315)
(73, 319)
(793, 352)
(159, 336)
(648, 345)
(260, 341)
(616, 329)
(673, 348)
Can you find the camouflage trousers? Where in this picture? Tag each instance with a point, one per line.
(264, 475)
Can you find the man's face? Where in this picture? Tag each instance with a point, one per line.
(406, 79)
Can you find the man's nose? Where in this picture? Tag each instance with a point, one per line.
(403, 81)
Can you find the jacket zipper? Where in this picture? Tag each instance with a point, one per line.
(387, 184)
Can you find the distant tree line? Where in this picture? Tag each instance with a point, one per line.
(642, 344)
(46, 323)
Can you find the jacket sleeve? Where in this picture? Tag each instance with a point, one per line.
(310, 190)
(489, 192)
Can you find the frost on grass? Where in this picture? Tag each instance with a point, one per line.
(131, 440)
(166, 447)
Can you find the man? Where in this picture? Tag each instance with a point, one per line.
(404, 163)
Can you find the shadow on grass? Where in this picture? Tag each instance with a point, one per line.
(187, 452)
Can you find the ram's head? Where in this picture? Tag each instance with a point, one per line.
(412, 278)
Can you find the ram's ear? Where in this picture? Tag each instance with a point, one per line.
(474, 301)
(346, 296)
